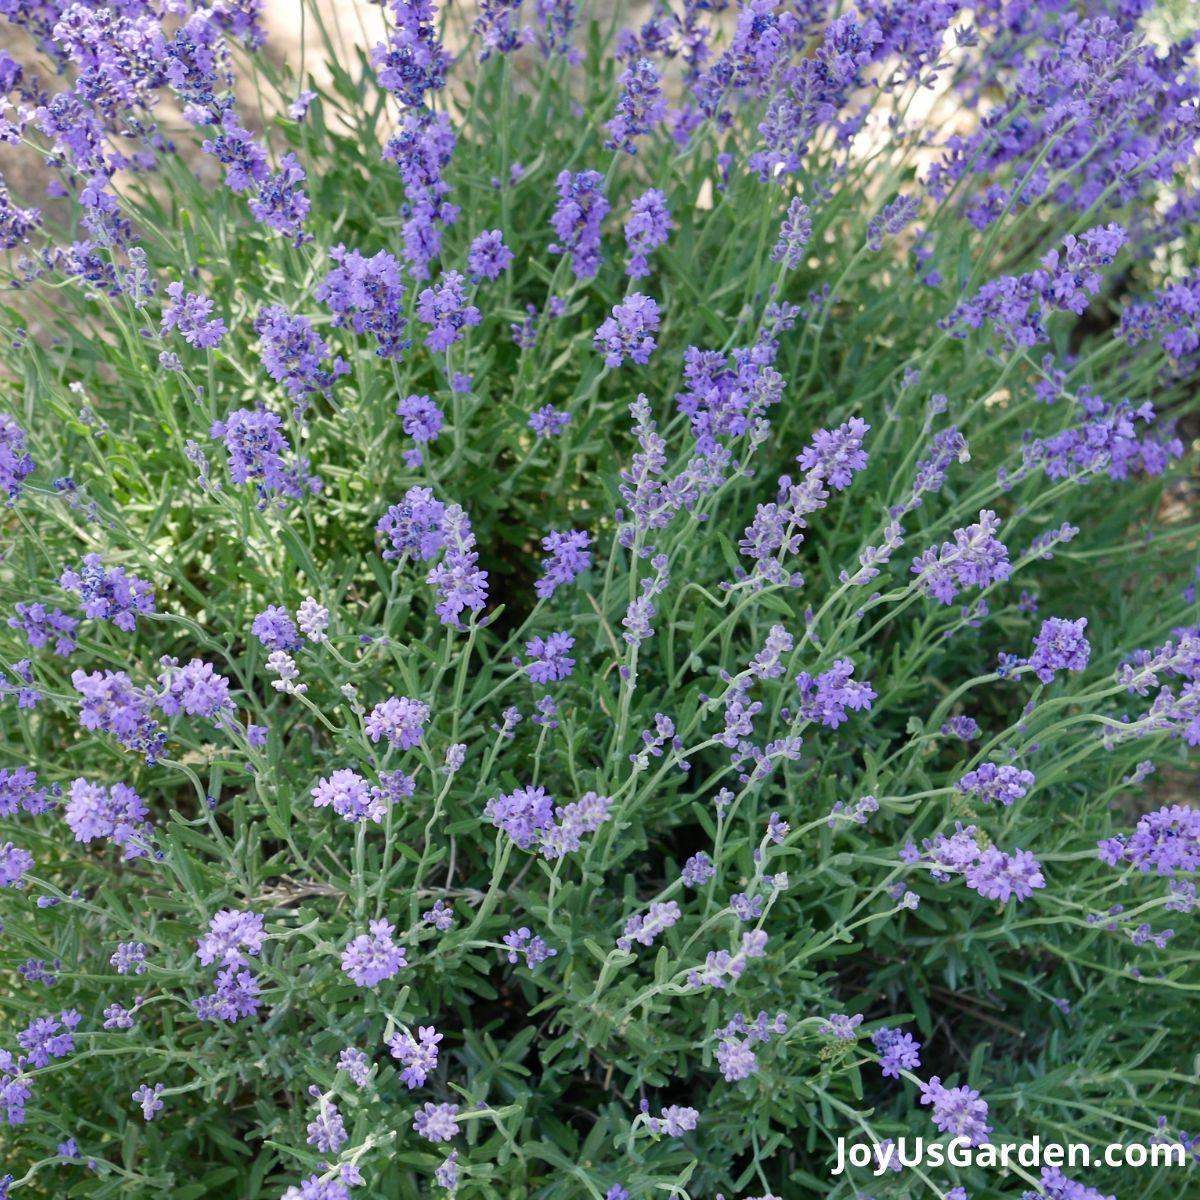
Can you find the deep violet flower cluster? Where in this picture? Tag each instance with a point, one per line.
(1018, 306)
(990, 783)
(367, 294)
(577, 219)
(259, 453)
(109, 595)
(230, 938)
(640, 107)
(445, 308)
(629, 331)
(434, 766)
(647, 227)
(976, 558)
(292, 353)
(898, 1051)
(371, 958)
(190, 314)
(16, 463)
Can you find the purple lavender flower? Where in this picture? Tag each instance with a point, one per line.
(367, 295)
(498, 29)
(859, 812)
(460, 584)
(1172, 316)
(768, 662)
(998, 784)
(372, 958)
(568, 557)
(148, 1098)
(1165, 841)
(1017, 306)
(190, 314)
(628, 333)
(421, 150)
(1104, 437)
(116, 1017)
(735, 1054)
(489, 257)
(316, 1188)
(129, 957)
(19, 791)
(648, 227)
(16, 463)
(892, 219)
(34, 970)
(1059, 646)
(825, 698)
(794, 235)
(523, 943)
(112, 703)
(414, 61)
(393, 787)
(195, 689)
(292, 352)
(947, 855)
(400, 720)
(446, 1175)
(275, 629)
(548, 421)
(660, 916)
(327, 1130)
(16, 223)
(976, 558)
(419, 1054)
(15, 864)
(674, 1120)
(229, 934)
(574, 822)
(355, 1064)
(897, 1051)
(41, 625)
(440, 916)
(234, 997)
(836, 455)
(445, 308)
(964, 728)
(698, 870)
(959, 1111)
(420, 417)
(841, 1027)
(522, 814)
(298, 109)
(109, 595)
(244, 159)
(550, 658)
(640, 107)
(349, 795)
(558, 19)
(414, 526)
(258, 453)
(1057, 1186)
(313, 620)
(949, 447)
(282, 204)
(577, 218)
(998, 875)
(436, 1122)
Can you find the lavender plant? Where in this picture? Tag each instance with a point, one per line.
(596, 599)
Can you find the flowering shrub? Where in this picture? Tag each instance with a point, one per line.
(594, 601)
